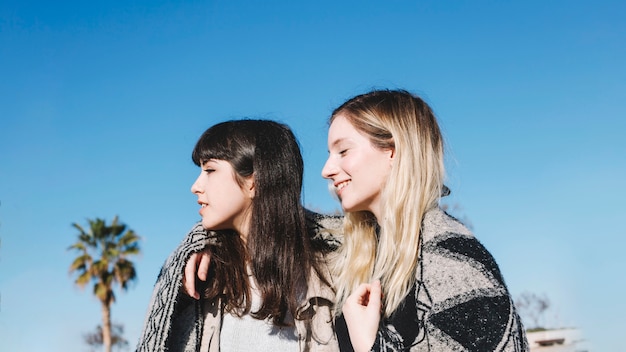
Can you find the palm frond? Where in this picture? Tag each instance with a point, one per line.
(102, 257)
(81, 263)
(83, 279)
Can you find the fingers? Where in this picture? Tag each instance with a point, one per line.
(203, 268)
(198, 264)
(360, 296)
(375, 296)
(189, 279)
(367, 295)
(362, 313)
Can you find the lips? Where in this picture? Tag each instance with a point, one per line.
(339, 186)
(342, 184)
(202, 206)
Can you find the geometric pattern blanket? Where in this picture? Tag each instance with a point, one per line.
(167, 293)
(460, 301)
(174, 320)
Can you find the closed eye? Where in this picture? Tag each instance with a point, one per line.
(208, 171)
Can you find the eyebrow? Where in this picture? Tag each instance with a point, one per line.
(207, 161)
(337, 141)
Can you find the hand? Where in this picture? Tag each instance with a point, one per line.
(198, 262)
(362, 313)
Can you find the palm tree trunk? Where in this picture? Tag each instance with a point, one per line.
(106, 327)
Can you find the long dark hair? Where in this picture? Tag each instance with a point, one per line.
(278, 250)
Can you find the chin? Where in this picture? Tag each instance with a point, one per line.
(215, 227)
(208, 226)
(349, 208)
(353, 208)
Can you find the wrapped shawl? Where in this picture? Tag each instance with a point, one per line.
(173, 320)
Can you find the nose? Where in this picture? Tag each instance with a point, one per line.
(195, 187)
(329, 169)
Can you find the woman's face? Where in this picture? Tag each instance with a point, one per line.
(357, 169)
(224, 204)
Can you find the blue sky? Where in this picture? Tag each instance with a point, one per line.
(102, 102)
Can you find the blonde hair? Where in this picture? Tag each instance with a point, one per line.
(388, 248)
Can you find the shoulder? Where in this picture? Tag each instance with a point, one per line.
(456, 252)
(456, 270)
(461, 283)
(437, 221)
(325, 230)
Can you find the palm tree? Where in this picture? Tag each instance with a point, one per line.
(103, 252)
(94, 339)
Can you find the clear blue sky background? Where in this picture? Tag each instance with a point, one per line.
(101, 103)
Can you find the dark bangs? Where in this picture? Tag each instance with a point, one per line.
(230, 141)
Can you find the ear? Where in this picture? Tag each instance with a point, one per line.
(249, 187)
(391, 154)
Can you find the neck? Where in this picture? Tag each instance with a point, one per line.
(243, 226)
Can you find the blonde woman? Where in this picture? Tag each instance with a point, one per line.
(409, 277)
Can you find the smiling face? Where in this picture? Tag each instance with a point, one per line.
(225, 204)
(357, 169)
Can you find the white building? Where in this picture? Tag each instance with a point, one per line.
(557, 340)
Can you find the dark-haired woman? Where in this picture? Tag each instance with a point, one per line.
(267, 286)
